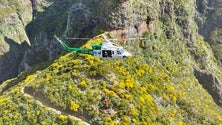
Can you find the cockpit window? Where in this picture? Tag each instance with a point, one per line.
(122, 50)
(118, 52)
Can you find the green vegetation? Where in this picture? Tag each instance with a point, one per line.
(215, 40)
(138, 93)
(6, 11)
(14, 15)
(155, 86)
(11, 6)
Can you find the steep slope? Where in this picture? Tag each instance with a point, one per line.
(138, 93)
(209, 19)
(68, 18)
(172, 78)
(14, 17)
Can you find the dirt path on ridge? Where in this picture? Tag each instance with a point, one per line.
(32, 94)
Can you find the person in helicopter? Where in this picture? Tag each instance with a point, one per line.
(105, 54)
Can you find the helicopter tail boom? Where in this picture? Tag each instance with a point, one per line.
(74, 50)
(66, 47)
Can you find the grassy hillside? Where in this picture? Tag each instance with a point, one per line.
(139, 92)
(157, 85)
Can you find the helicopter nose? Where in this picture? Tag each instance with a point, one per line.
(127, 54)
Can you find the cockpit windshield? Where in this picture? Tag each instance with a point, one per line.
(122, 50)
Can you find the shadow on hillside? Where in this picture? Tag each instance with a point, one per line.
(10, 61)
(52, 20)
(22, 76)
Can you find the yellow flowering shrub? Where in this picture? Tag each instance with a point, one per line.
(98, 39)
(121, 85)
(56, 65)
(140, 72)
(69, 87)
(38, 112)
(125, 119)
(133, 112)
(149, 98)
(109, 92)
(142, 100)
(82, 84)
(128, 96)
(48, 77)
(180, 123)
(142, 44)
(29, 78)
(63, 118)
(174, 98)
(138, 91)
(90, 59)
(219, 118)
(129, 84)
(76, 61)
(74, 73)
(73, 106)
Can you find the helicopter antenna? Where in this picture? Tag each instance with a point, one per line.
(120, 39)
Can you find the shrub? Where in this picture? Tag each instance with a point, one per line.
(63, 118)
(73, 106)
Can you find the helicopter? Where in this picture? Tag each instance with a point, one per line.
(105, 50)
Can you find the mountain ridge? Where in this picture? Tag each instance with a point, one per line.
(172, 78)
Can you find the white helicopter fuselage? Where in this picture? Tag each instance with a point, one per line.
(108, 50)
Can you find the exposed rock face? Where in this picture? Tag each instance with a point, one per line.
(13, 37)
(67, 19)
(40, 51)
(211, 83)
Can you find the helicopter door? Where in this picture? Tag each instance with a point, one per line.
(106, 53)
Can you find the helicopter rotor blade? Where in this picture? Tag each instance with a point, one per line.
(121, 39)
(130, 39)
(79, 38)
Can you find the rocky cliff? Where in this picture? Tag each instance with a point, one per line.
(14, 17)
(36, 21)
